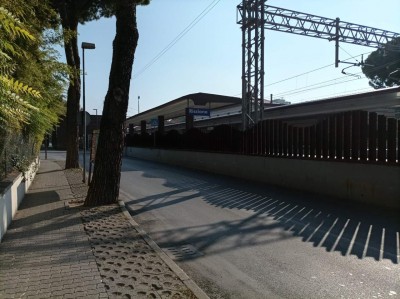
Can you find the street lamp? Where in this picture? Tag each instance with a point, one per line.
(96, 118)
(88, 46)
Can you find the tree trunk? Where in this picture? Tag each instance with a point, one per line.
(104, 188)
(69, 21)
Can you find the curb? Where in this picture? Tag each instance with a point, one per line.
(190, 284)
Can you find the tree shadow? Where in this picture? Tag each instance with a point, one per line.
(344, 227)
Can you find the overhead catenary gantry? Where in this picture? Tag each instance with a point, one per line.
(255, 16)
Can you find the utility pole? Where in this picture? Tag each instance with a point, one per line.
(255, 16)
(96, 118)
(87, 46)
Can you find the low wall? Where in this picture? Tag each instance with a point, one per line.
(12, 192)
(367, 183)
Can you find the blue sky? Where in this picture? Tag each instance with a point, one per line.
(208, 58)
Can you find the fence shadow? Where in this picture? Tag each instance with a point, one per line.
(347, 228)
(336, 227)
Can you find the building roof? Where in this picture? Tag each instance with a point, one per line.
(385, 101)
(176, 108)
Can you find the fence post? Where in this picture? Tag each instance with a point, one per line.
(339, 136)
(295, 142)
(325, 138)
(281, 138)
(313, 141)
(276, 138)
(307, 142)
(300, 142)
(363, 135)
(332, 137)
(355, 142)
(382, 137)
(318, 138)
(271, 137)
(290, 141)
(267, 138)
(373, 117)
(391, 140)
(285, 140)
(347, 136)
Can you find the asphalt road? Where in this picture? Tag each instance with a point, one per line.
(238, 239)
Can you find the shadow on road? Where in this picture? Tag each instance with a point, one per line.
(347, 228)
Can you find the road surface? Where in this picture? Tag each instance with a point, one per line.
(239, 239)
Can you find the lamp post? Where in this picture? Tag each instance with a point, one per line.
(87, 46)
(96, 118)
(138, 99)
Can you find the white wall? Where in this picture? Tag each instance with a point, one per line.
(13, 195)
(367, 183)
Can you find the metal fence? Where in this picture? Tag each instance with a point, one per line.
(16, 152)
(357, 136)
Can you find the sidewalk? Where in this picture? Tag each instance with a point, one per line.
(54, 249)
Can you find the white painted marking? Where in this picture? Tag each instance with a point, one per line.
(315, 230)
(382, 245)
(367, 242)
(328, 232)
(306, 214)
(398, 246)
(340, 235)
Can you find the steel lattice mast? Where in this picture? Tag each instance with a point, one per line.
(255, 16)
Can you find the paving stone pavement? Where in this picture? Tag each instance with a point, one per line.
(46, 252)
(55, 249)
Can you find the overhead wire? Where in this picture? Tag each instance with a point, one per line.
(178, 37)
(334, 94)
(308, 72)
(314, 70)
(351, 57)
(304, 89)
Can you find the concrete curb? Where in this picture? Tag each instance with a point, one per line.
(191, 285)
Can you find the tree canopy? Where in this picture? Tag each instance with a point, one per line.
(381, 63)
(31, 78)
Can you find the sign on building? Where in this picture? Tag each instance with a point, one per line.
(198, 111)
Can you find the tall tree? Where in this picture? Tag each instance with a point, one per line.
(73, 12)
(69, 12)
(104, 188)
(383, 62)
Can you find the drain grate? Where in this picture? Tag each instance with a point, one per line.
(183, 252)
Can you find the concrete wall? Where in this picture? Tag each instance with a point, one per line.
(367, 183)
(12, 194)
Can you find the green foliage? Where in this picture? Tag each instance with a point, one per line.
(381, 63)
(12, 25)
(32, 81)
(96, 9)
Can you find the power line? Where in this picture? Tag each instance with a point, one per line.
(353, 91)
(314, 70)
(313, 88)
(351, 57)
(178, 37)
(307, 88)
(308, 72)
(315, 84)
